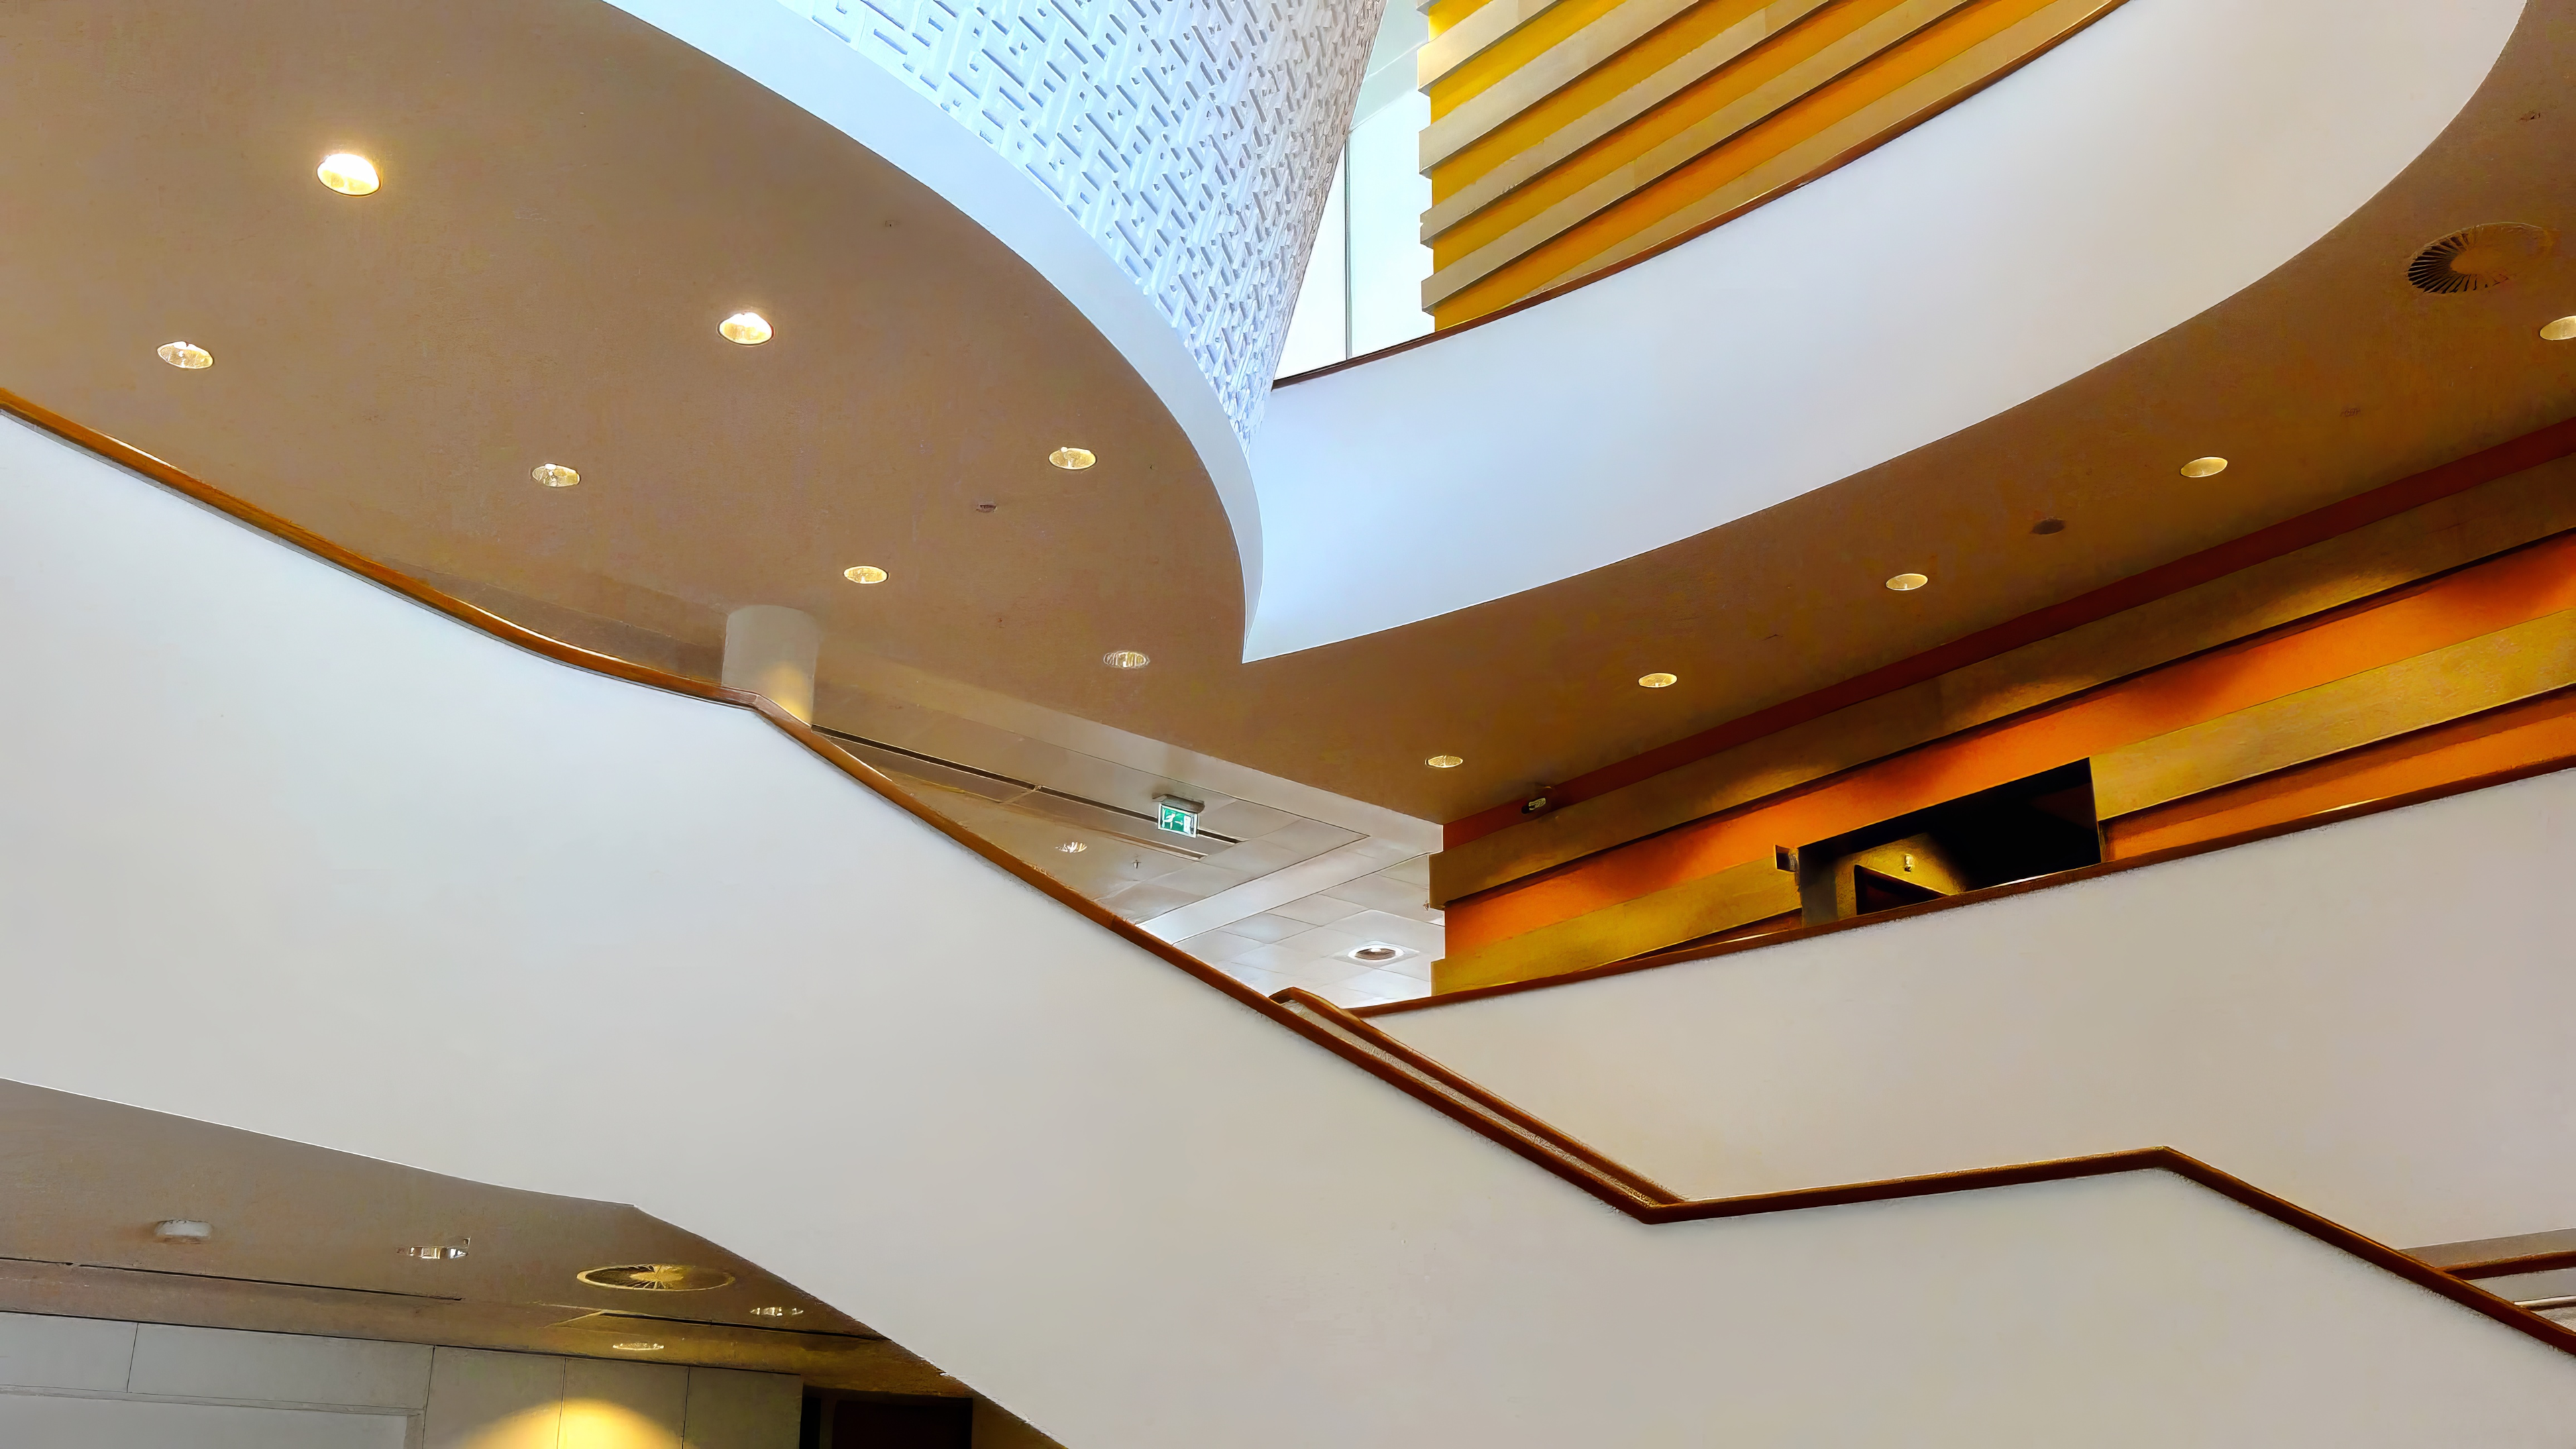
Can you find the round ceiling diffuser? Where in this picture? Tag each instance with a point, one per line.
(2479, 258)
(658, 1278)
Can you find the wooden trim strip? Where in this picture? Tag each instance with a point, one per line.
(1579, 1165)
(2514, 1267)
(2449, 1284)
(1989, 893)
(1377, 1037)
(2541, 445)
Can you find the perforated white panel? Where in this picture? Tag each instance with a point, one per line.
(1193, 139)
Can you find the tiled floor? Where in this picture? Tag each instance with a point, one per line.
(1308, 942)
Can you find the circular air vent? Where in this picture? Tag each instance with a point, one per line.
(2479, 258)
(658, 1278)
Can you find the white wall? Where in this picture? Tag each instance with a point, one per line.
(283, 851)
(2172, 153)
(88, 1383)
(2369, 1019)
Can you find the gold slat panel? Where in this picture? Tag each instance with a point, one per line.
(1712, 903)
(1597, 104)
(2415, 544)
(2377, 704)
(1453, 45)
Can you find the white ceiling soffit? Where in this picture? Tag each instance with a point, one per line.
(2144, 171)
(818, 71)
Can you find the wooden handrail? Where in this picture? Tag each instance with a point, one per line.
(1401, 1067)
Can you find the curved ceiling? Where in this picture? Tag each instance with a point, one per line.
(2152, 166)
(573, 198)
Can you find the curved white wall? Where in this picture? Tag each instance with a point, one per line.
(2369, 1019)
(1162, 162)
(2141, 173)
(283, 851)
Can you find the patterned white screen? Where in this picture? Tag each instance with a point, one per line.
(1194, 140)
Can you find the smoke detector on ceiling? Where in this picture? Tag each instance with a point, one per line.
(2480, 257)
(657, 1278)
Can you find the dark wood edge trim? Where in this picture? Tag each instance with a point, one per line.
(1600, 1183)
(2377, 505)
(2337, 815)
(1827, 168)
(2510, 1267)
(145, 465)
(1643, 1186)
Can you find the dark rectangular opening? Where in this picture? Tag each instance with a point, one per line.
(2038, 825)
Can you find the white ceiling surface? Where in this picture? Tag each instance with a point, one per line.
(778, 45)
(2152, 166)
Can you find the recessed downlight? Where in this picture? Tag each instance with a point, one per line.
(748, 328)
(1073, 459)
(1125, 659)
(637, 1345)
(1658, 680)
(777, 1311)
(434, 1252)
(1073, 847)
(656, 1277)
(2047, 526)
(1444, 762)
(864, 574)
(182, 1230)
(1908, 583)
(2558, 331)
(554, 475)
(347, 173)
(2204, 467)
(186, 356)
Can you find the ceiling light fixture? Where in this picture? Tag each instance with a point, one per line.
(182, 1230)
(1444, 762)
(864, 574)
(637, 1345)
(2048, 526)
(777, 1312)
(1658, 680)
(554, 475)
(657, 1278)
(2204, 467)
(186, 356)
(1072, 459)
(1125, 659)
(434, 1253)
(1908, 583)
(1073, 847)
(748, 328)
(347, 173)
(2558, 331)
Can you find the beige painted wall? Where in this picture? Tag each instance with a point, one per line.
(85, 1383)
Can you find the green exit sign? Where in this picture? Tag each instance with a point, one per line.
(1181, 817)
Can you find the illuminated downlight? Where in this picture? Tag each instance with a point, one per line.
(748, 328)
(656, 1278)
(637, 1345)
(1444, 762)
(1125, 659)
(2558, 331)
(186, 356)
(1073, 459)
(1658, 680)
(777, 1312)
(1073, 847)
(864, 574)
(434, 1253)
(554, 475)
(2204, 467)
(347, 173)
(1908, 583)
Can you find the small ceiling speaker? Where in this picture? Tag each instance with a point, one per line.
(2479, 258)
